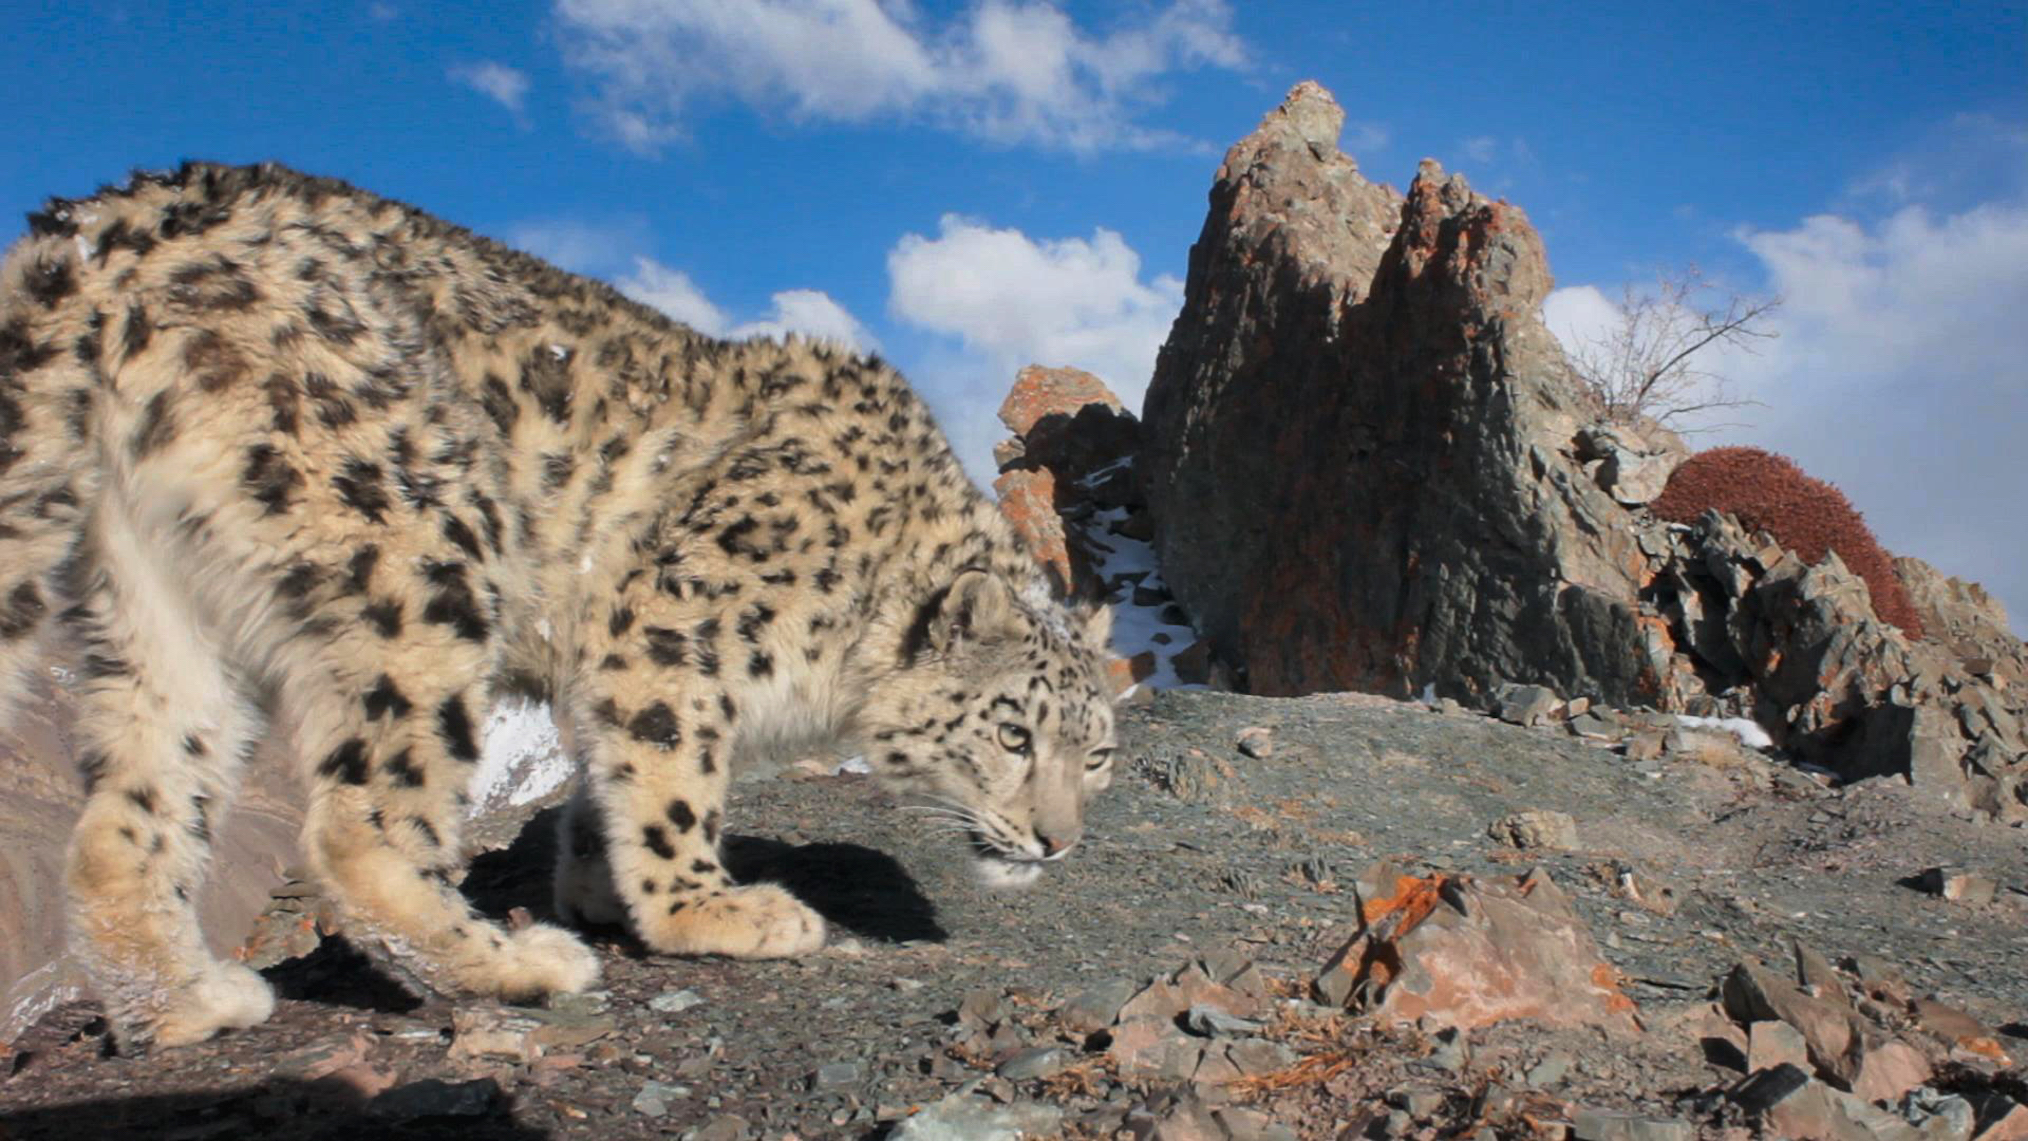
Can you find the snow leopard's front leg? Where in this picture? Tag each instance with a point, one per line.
(658, 754)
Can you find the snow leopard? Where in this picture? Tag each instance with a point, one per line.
(279, 453)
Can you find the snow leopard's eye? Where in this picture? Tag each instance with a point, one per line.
(1014, 738)
(1099, 758)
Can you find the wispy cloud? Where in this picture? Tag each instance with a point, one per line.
(1480, 148)
(1009, 300)
(808, 312)
(602, 248)
(496, 81)
(1006, 71)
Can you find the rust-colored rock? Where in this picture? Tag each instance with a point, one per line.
(1065, 464)
(1039, 392)
(1468, 952)
(1028, 500)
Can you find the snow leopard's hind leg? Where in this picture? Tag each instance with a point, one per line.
(162, 731)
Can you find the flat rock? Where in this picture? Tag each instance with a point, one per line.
(1469, 952)
(969, 1117)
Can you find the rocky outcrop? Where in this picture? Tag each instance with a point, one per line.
(1363, 448)
(1067, 484)
(1963, 618)
(1798, 648)
(1066, 425)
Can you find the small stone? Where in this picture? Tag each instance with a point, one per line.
(1211, 1022)
(1645, 746)
(981, 1007)
(493, 1032)
(1774, 1043)
(1550, 1071)
(1096, 1007)
(1593, 726)
(1536, 828)
(1939, 1117)
(1193, 664)
(1034, 1062)
(654, 1098)
(1452, 1051)
(1243, 1124)
(1598, 1125)
(1421, 1103)
(724, 1127)
(1257, 741)
(1257, 1057)
(1889, 1069)
(967, 1117)
(1529, 705)
(675, 1001)
(837, 1075)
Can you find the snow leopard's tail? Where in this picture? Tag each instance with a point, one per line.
(50, 355)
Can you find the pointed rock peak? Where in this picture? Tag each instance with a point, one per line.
(1314, 115)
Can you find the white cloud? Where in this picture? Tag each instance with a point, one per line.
(597, 248)
(807, 312)
(1579, 314)
(382, 12)
(498, 82)
(1008, 71)
(1480, 148)
(1898, 375)
(811, 313)
(672, 291)
(1009, 300)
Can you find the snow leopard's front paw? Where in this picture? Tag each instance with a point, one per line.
(761, 921)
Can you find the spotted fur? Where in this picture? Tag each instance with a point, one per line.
(269, 442)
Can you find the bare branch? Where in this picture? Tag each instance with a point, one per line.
(1644, 366)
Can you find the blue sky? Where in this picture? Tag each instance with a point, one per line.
(971, 186)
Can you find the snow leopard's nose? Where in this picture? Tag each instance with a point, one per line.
(1056, 845)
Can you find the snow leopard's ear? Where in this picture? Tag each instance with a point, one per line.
(976, 607)
(1097, 619)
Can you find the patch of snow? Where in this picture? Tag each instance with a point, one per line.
(38, 992)
(522, 760)
(1135, 627)
(1429, 696)
(1749, 732)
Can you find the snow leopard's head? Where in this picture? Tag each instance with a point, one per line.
(1000, 713)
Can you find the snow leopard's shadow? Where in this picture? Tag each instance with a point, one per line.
(856, 888)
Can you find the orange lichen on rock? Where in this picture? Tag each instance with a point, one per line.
(1768, 492)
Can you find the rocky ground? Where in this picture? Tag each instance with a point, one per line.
(1232, 861)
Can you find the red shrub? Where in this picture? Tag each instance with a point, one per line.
(1767, 492)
